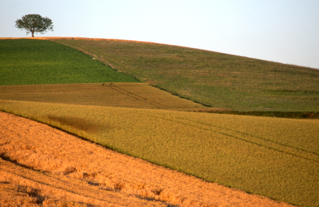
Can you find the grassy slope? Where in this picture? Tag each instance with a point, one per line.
(214, 79)
(277, 158)
(26, 61)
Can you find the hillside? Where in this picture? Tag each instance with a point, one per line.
(214, 79)
(106, 104)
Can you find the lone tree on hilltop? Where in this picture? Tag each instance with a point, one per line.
(34, 23)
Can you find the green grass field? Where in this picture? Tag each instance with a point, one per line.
(273, 157)
(26, 61)
(211, 78)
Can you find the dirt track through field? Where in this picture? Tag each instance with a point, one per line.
(43, 166)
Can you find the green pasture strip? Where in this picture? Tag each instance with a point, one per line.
(211, 78)
(133, 95)
(274, 157)
(25, 62)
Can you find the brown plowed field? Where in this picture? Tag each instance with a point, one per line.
(43, 166)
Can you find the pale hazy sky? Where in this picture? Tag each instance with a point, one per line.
(285, 31)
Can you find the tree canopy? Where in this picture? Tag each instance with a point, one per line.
(34, 23)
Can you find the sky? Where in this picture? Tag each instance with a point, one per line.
(285, 31)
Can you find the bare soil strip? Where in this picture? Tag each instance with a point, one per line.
(43, 166)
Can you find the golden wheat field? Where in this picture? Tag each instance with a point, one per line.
(43, 166)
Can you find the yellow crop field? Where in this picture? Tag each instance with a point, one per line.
(274, 157)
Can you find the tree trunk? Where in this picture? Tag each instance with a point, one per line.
(32, 31)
